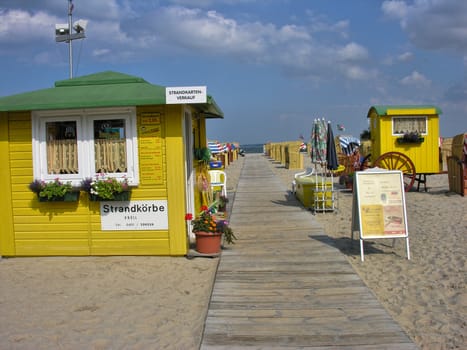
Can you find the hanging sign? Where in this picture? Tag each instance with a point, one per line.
(185, 95)
(378, 209)
(134, 215)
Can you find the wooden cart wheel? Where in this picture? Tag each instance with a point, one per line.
(398, 161)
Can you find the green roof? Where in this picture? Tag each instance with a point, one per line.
(383, 109)
(105, 89)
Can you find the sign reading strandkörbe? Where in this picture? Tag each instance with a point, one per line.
(185, 95)
(134, 215)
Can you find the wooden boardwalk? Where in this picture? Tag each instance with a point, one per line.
(283, 285)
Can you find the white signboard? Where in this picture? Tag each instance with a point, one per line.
(134, 215)
(378, 208)
(185, 95)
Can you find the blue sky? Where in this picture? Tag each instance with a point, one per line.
(273, 66)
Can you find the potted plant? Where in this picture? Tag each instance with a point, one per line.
(222, 203)
(54, 191)
(104, 188)
(411, 137)
(208, 231)
(202, 155)
(227, 232)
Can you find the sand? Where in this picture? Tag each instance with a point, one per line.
(104, 302)
(161, 302)
(426, 295)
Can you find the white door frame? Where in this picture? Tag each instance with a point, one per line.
(189, 169)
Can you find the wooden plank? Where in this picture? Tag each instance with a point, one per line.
(285, 285)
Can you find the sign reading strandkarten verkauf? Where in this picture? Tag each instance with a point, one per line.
(185, 95)
(134, 215)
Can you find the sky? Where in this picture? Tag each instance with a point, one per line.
(272, 66)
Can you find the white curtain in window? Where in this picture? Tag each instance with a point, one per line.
(408, 125)
(62, 157)
(110, 156)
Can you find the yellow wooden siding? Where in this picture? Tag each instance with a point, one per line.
(176, 183)
(120, 235)
(7, 240)
(38, 228)
(44, 218)
(424, 155)
(38, 247)
(148, 193)
(60, 228)
(411, 111)
(140, 242)
(138, 247)
(21, 172)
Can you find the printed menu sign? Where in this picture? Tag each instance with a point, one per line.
(380, 198)
(378, 209)
(150, 149)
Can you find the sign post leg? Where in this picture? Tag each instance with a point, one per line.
(408, 248)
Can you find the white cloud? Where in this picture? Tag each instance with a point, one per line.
(290, 46)
(19, 25)
(100, 52)
(415, 79)
(432, 24)
(358, 73)
(118, 32)
(208, 32)
(206, 3)
(320, 24)
(352, 52)
(395, 8)
(405, 57)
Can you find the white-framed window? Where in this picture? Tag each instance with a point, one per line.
(75, 144)
(409, 125)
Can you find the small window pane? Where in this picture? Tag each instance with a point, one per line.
(62, 148)
(110, 146)
(408, 125)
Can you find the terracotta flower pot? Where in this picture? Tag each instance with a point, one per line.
(208, 242)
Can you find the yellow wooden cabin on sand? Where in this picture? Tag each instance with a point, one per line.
(411, 130)
(109, 123)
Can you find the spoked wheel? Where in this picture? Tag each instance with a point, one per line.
(398, 161)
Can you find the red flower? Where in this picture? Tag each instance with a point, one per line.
(188, 216)
(204, 208)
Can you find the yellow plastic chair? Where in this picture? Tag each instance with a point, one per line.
(218, 180)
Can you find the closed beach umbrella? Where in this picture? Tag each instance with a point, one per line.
(331, 154)
(318, 141)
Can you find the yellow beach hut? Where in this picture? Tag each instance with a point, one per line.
(406, 137)
(106, 123)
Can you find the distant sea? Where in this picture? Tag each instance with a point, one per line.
(252, 148)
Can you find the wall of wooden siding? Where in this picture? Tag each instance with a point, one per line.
(34, 228)
(425, 155)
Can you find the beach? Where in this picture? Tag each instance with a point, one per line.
(129, 302)
(427, 294)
